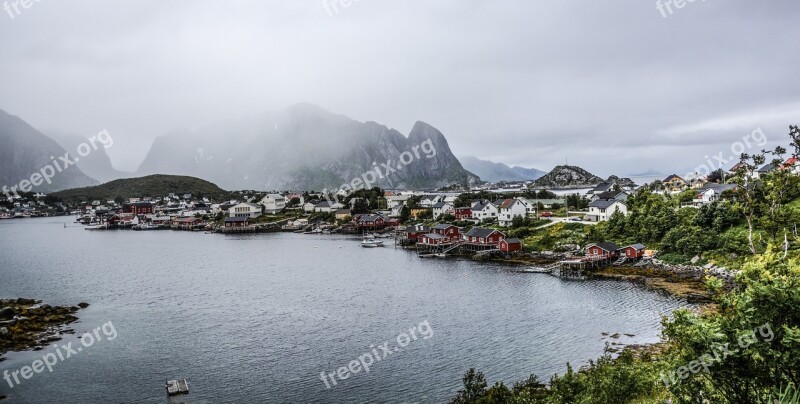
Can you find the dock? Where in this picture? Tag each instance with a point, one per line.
(175, 387)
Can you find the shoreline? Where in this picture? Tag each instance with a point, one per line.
(27, 324)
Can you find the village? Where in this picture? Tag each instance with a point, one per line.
(477, 223)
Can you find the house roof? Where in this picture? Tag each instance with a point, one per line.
(637, 246)
(607, 246)
(507, 203)
(417, 229)
(369, 218)
(603, 203)
(672, 177)
(512, 241)
(481, 232)
(443, 226)
(343, 212)
(434, 236)
(767, 168)
(602, 187)
(440, 205)
(609, 194)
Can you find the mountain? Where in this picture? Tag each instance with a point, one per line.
(568, 177)
(649, 173)
(96, 164)
(307, 148)
(153, 185)
(496, 172)
(27, 154)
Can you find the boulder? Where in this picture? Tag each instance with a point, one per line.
(7, 313)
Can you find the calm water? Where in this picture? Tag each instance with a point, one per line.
(257, 318)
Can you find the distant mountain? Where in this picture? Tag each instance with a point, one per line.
(307, 148)
(496, 172)
(153, 185)
(96, 164)
(568, 177)
(25, 151)
(649, 173)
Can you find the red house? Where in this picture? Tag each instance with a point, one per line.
(432, 239)
(463, 213)
(603, 250)
(138, 208)
(414, 232)
(634, 251)
(371, 221)
(510, 245)
(447, 230)
(483, 237)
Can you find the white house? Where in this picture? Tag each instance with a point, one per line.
(328, 207)
(245, 209)
(273, 203)
(442, 208)
(602, 209)
(428, 201)
(711, 193)
(308, 207)
(396, 200)
(485, 210)
(509, 209)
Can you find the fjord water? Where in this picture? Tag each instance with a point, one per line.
(257, 318)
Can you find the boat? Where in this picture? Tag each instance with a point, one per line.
(175, 387)
(145, 227)
(370, 242)
(97, 227)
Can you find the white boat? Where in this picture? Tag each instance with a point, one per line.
(97, 227)
(370, 242)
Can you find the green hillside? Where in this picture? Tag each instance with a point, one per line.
(151, 185)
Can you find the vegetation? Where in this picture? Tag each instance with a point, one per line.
(746, 351)
(152, 185)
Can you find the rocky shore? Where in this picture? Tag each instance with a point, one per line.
(29, 324)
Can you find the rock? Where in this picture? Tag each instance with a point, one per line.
(26, 302)
(615, 336)
(3, 331)
(83, 305)
(695, 259)
(7, 313)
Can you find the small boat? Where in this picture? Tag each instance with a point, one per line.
(370, 242)
(175, 387)
(97, 227)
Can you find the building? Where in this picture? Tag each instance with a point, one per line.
(242, 221)
(414, 232)
(138, 208)
(463, 213)
(343, 214)
(427, 201)
(602, 209)
(605, 250)
(508, 210)
(484, 210)
(608, 195)
(328, 207)
(766, 168)
(417, 212)
(245, 209)
(442, 208)
(478, 236)
(711, 193)
(634, 251)
(674, 184)
(273, 203)
(370, 221)
(508, 245)
(447, 230)
(792, 164)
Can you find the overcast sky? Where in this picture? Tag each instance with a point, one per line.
(616, 87)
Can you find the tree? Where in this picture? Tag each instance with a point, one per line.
(474, 388)
(360, 206)
(405, 214)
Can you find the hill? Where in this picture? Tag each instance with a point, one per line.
(26, 151)
(152, 185)
(307, 148)
(496, 172)
(568, 177)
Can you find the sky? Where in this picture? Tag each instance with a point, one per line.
(615, 87)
